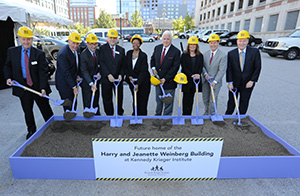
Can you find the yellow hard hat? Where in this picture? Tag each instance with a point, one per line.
(112, 33)
(136, 36)
(155, 81)
(181, 78)
(193, 40)
(243, 35)
(25, 32)
(74, 37)
(213, 37)
(91, 38)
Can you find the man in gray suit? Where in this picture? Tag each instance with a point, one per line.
(215, 64)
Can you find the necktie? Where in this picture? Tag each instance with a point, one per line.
(94, 56)
(241, 60)
(28, 77)
(76, 57)
(163, 56)
(112, 50)
(211, 58)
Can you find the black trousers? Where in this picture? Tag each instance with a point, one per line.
(87, 95)
(107, 96)
(27, 101)
(245, 94)
(142, 99)
(67, 93)
(187, 102)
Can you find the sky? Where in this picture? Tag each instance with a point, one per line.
(108, 5)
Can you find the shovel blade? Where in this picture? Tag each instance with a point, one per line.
(178, 121)
(59, 102)
(217, 118)
(136, 121)
(197, 121)
(116, 122)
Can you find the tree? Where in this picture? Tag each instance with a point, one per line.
(136, 19)
(41, 31)
(178, 24)
(105, 21)
(188, 22)
(79, 27)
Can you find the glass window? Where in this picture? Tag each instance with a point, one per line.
(250, 3)
(229, 26)
(231, 6)
(247, 25)
(262, 1)
(273, 22)
(213, 14)
(258, 24)
(201, 17)
(241, 4)
(237, 26)
(208, 15)
(291, 20)
(219, 11)
(225, 9)
(222, 26)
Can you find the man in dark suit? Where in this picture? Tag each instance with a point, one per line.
(112, 62)
(165, 62)
(243, 69)
(27, 65)
(89, 66)
(67, 68)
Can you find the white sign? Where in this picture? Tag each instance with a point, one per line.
(162, 158)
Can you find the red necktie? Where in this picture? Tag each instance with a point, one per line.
(211, 58)
(163, 56)
(28, 77)
(112, 50)
(94, 56)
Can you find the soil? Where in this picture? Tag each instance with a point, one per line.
(73, 138)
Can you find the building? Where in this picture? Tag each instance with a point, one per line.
(127, 6)
(124, 20)
(58, 7)
(83, 11)
(262, 18)
(172, 9)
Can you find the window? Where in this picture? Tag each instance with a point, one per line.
(247, 25)
(213, 14)
(201, 17)
(273, 22)
(231, 6)
(258, 23)
(208, 15)
(201, 3)
(229, 26)
(217, 26)
(250, 3)
(219, 11)
(291, 20)
(204, 17)
(237, 26)
(262, 1)
(225, 9)
(241, 4)
(222, 26)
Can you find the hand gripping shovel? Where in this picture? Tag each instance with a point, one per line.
(236, 105)
(90, 112)
(69, 115)
(214, 117)
(116, 122)
(197, 120)
(66, 102)
(165, 98)
(180, 78)
(135, 120)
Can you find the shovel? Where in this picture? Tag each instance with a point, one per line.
(90, 112)
(179, 120)
(214, 117)
(69, 115)
(116, 122)
(165, 98)
(236, 105)
(66, 102)
(197, 120)
(135, 120)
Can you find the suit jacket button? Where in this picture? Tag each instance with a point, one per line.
(159, 70)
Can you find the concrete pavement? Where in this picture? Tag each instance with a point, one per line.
(275, 103)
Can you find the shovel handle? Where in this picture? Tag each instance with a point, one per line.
(235, 100)
(212, 94)
(25, 88)
(197, 90)
(179, 95)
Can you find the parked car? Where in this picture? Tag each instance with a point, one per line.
(288, 46)
(49, 46)
(208, 32)
(182, 35)
(83, 45)
(232, 41)
(147, 38)
(155, 36)
(228, 34)
(205, 37)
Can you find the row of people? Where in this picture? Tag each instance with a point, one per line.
(27, 65)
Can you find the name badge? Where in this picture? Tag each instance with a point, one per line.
(33, 63)
(117, 52)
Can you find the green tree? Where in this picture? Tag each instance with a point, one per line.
(178, 24)
(79, 27)
(136, 19)
(188, 22)
(105, 21)
(41, 31)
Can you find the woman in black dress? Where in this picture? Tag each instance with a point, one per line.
(137, 68)
(192, 65)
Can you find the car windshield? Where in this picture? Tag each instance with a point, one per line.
(233, 37)
(295, 33)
